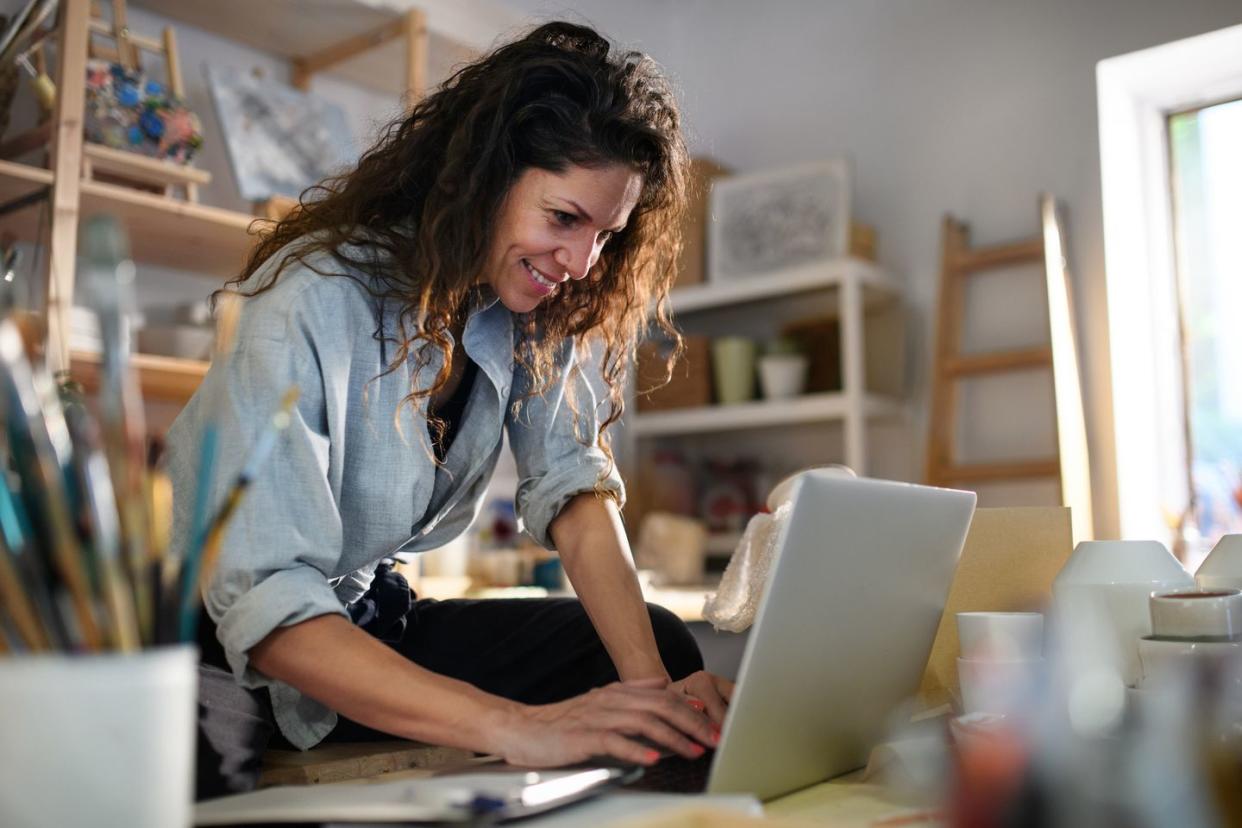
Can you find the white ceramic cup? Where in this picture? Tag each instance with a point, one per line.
(101, 740)
(1000, 636)
(1197, 614)
(782, 376)
(1001, 687)
(1222, 568)
(1163, 659)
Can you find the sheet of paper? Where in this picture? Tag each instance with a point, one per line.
(1007, 565)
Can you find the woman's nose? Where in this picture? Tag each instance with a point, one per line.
(576, 259)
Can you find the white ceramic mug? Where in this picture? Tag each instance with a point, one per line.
(1197, 614)
(1000, 636)
(1003, 687)
(101, 740)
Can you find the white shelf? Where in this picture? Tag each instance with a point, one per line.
(877, 286)
(763, 414)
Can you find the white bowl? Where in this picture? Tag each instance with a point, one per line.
(1197, 614)
(1104, 589)
(1000, 636)
(1222, 568)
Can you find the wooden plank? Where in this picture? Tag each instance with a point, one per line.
(306, 66)
(66, 185)
(173, 233)
(172, 59)
(941, 420)
(141, 167)
(416, 41)
(351, 761)
(991, 363)
(1002, 255)
(160, 377)
(1009, 470)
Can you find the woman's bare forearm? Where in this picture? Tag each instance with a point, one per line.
(591, 539)
(341, 666)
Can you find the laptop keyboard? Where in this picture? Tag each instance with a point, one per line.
(675, 774)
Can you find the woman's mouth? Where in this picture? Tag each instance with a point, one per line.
(541, 282)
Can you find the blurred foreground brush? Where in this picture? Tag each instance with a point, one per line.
(108, 282)
(40, 448)
(215, 532)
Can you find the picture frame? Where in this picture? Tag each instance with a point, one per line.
(779, 221)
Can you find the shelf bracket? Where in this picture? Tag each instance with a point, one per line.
(412, 26)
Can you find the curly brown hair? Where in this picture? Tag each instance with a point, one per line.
(427, 194)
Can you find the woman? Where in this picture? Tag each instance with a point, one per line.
(435, 296)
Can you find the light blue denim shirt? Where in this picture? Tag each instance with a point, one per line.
(352, 479)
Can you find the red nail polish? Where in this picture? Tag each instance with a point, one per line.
(652, 756)
(697, 750)
(715, 735)
(696, 704)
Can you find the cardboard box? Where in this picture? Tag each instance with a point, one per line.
(692, 266)
(1007, 565)
(690, 384)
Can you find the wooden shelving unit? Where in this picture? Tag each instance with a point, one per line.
(160, 377)
(363, 40)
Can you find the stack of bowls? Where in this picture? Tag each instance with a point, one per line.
(1001, 661)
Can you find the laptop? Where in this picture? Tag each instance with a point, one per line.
(841, 637)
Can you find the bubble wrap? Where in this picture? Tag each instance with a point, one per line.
(732, 607)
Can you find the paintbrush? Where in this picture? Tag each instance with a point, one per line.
(101, 528)
(17, 606)
(228, 313)
(108, 281)
(32, 580)
(215, 532)
(41, 448)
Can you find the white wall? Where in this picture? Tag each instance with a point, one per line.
(967, 106)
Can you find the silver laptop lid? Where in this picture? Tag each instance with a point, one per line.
(843, 631)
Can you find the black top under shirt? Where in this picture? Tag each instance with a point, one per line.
(453, 409)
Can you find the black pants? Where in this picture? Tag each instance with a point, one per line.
(534, 651)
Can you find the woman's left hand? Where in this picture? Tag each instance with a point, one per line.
(714, 691)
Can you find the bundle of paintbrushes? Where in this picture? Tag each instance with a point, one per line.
(86, 563)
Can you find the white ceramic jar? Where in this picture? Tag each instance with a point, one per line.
(1107, 585)
(1222, 568)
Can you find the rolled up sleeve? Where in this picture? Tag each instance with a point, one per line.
(556, 452)
(283, 545)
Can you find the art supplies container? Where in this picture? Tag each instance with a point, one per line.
(100, 740)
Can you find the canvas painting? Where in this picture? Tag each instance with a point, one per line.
(779, 221)
(280, 140)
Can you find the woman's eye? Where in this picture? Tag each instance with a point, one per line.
(564, 219)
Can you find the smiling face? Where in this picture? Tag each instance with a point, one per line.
(552, 227)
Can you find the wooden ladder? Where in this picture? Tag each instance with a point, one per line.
(958, 262)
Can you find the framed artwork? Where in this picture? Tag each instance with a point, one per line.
(778, 221)
(280, 140)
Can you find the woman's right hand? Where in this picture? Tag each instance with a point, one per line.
(607, 721)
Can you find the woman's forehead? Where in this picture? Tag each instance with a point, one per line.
(605, 193)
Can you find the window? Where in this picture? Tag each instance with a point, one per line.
(1205, 153)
